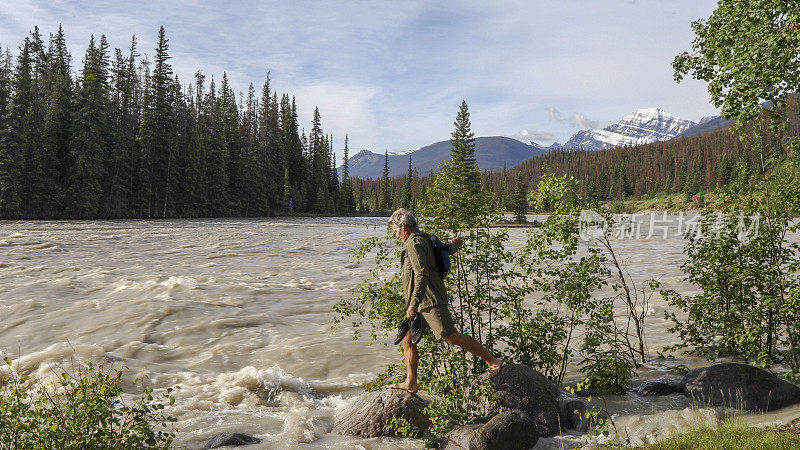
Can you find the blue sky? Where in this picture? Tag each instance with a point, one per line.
(392, 74)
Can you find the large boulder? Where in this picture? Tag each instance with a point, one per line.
(741, 386)
(368, 415)
(518, 386)
(508, 430)
(660, 386)
(230, 439)
(572, 411)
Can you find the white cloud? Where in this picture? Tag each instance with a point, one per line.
(540, 137)
(583, 122)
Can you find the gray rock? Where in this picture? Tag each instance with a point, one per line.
(509, 430)
(660, 386)
(369, 414)
(225, 439)
(740, 386)
(572, 410)
(518, 386)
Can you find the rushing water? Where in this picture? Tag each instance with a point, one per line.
(237, 313)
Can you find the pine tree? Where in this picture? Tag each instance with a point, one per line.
(229, 116)
(14, 92)
(251, 184)
(288, 203)
(217, 149)
(40, 165)
(90, 133)
(155, 133)
(319, 170)
(408, 184)
(269, 135)
(520, 200)
(462, 152)
(347, 202)
(196, 177)
(385, 203)
(57, 126)
(292, 150)
(503, 198)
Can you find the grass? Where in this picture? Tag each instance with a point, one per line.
(730, 435)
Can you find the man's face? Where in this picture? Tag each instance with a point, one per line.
(401, 231)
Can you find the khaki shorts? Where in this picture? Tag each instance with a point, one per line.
(439, 320)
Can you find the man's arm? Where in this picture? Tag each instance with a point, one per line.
(417, 257)
(455, 244)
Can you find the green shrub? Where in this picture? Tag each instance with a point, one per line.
(83, 408)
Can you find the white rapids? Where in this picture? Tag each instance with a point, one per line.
(237, 313)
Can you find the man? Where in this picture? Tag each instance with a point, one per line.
(425, 294)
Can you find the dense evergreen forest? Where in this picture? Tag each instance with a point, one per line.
(123, 137)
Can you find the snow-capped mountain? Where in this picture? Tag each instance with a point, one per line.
(539, 146)
(404, 152)
(641, 126)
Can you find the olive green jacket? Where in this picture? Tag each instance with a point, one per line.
(422, 286)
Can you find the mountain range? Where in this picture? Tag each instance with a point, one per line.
(491, 152)
(641, 126)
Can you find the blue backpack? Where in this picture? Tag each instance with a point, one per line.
(442, 255)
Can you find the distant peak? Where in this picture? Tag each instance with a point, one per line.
(650, 112)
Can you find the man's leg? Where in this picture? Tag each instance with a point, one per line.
(411, 355)
(472, 345)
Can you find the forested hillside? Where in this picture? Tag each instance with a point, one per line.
(124, 137)
(686, 165)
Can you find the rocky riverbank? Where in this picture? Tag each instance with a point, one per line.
(529, 407)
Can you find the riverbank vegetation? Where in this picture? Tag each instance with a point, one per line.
(80, 407)
(730, 434)
(551, 302)
(548, 305)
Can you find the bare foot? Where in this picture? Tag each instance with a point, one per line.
(494, 369)
(410, 387)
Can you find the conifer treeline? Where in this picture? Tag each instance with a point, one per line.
(124, 138)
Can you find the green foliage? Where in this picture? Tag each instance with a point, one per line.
(741, 258)
(82, 408)
(601, 426)
(747, 270)
(571, 277)
(748, 52)
(402, 427)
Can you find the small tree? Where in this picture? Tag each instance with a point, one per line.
(519, 200)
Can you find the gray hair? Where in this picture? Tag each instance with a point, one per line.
(403, 216)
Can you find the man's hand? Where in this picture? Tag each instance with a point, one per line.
(458, 241)
(411, 311)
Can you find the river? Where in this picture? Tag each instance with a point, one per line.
(237, 313)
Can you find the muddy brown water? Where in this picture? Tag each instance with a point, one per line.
(237, 313)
